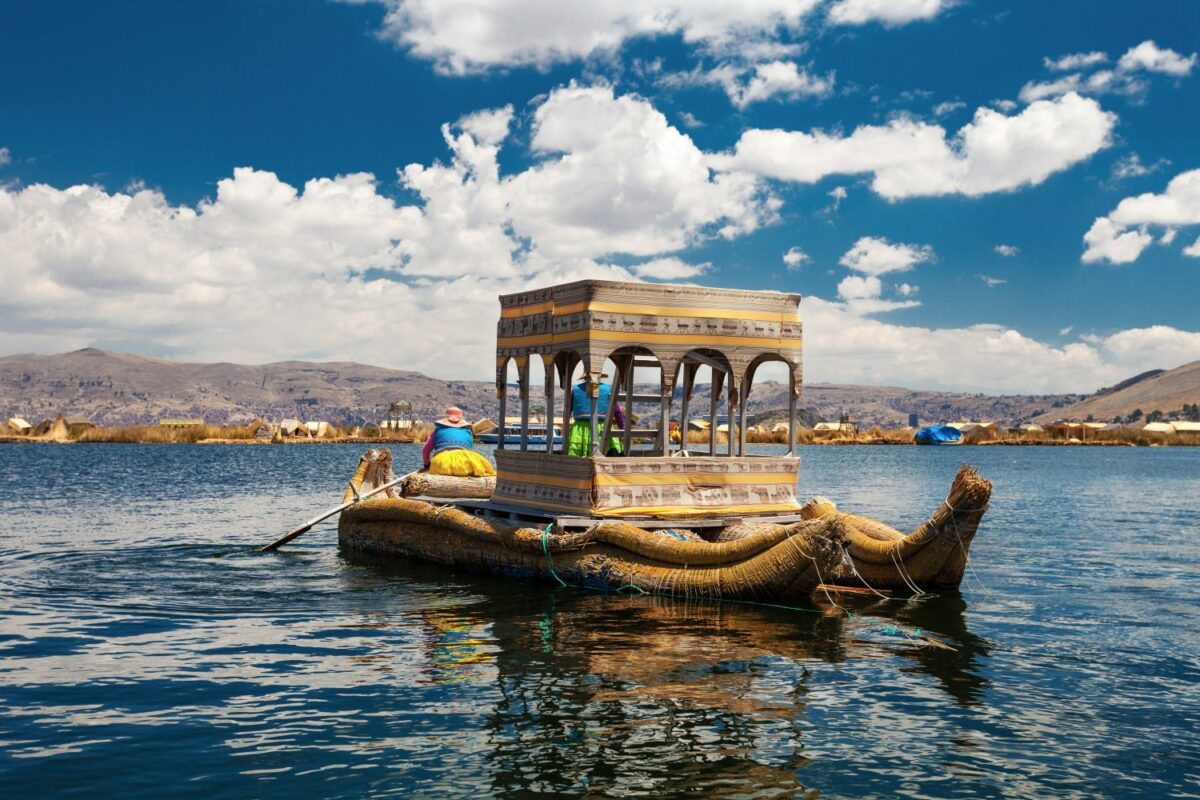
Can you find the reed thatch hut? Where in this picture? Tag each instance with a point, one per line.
(1187, 430)
(16, 426)
(975, 432)
(830, 429)
(320, 429)
(293, 429)
(260, 429)
(58, 431)
(77, 425)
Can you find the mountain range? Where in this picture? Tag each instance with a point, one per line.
(124, 389)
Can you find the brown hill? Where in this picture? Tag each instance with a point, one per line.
(889, 406)
(123, 389)
(1157, 390)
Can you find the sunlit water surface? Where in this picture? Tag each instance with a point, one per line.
(147, 649)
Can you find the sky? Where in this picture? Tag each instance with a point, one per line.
(970, 195)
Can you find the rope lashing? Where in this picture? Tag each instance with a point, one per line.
(962, 548)
(630, 588)
(546, 550)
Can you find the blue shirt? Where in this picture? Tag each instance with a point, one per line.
(581, 402)
(446, 437)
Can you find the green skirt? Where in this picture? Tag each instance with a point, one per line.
(579, 440)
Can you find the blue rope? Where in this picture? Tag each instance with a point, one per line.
(546, 550)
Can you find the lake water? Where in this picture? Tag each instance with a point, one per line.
(147, 650)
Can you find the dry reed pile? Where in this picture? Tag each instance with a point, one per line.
(157, 434)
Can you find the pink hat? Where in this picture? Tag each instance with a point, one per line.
(453, 418)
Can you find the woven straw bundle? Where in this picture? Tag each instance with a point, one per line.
(932, 556)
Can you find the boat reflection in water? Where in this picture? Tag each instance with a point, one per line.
(619, 694)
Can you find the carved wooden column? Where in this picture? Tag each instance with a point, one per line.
(714, 398)
(793, 395)
(548, 393)
(502, 397)
(523, 378)
(689, 379)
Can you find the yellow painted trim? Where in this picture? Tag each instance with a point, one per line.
(693, 511)
(700, 340)
(686, 311)
(704, 479)
(525, 341)
(603, 307)
(524, 311)
(544, 480)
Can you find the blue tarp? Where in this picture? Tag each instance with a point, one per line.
(938, 434)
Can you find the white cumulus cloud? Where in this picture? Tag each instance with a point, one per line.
(745, 84)
(1131, 166)
(858, 287)
(1152, 58)
(1126, 79)
(842, 344)
(948, 107)
(669, 269)
(878, 256)
(1122, 236)
(1074, 61)
(780, 79)
(795, 258)
(617, 177)
(888, 12)
(908, 158)
(1007, 250)
(467, 37)
(338, 269)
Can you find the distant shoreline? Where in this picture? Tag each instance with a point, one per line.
(861, 442)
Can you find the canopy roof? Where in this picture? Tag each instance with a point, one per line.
(593, 319)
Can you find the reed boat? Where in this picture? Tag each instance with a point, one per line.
(768, 559)
(665, 517)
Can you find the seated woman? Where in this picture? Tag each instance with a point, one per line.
(579, 441)
(448, 451)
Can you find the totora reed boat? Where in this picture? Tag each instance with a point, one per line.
(665, 517)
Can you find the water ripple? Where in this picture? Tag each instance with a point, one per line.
(146, 644)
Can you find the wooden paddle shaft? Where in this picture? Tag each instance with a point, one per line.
(308, 525)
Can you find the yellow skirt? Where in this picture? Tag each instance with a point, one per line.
(461, 464)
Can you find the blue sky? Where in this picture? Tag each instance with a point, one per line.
(974, 197)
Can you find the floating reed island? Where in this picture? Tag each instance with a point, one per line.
(664, 517)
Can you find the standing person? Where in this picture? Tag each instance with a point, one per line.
(579, 441)
(450, 449)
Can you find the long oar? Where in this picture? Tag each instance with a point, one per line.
(308, 525)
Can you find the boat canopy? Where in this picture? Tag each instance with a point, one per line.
(675, 329)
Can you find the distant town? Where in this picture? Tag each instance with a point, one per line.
(97, 396)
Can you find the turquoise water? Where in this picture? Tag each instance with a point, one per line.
(147, 650)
